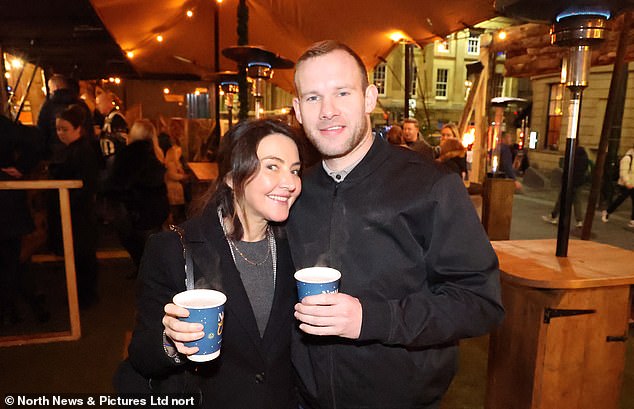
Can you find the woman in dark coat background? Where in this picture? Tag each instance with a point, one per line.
(236, 251)
(137, 187)
(80, 161)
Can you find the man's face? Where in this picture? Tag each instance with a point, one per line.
(410, 132)
(332, 105)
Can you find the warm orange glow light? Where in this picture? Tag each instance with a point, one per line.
(159, 38)
(166, 90)
(502, 35)
(117, 80)
(130, 54)
(189, 13)
(397, 36)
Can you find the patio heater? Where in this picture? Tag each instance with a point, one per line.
(260, 65)
(578, 25)
(227, 81)
(578, 29)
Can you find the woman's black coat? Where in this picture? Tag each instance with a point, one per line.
(251, 372)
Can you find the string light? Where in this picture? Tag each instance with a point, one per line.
(166, 91)
(117, 80)
(159, 38)
(189, 13)
(130, 54)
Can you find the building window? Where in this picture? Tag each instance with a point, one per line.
(379, 77)
(473, 45)
(414, 82)
(442, 76)
(555, 114)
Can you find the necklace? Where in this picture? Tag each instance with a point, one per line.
(245, 258)
(272, 248)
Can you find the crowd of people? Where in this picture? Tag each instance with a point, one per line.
(418, 273)
(125, 178)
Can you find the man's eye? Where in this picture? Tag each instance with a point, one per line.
(312, 98)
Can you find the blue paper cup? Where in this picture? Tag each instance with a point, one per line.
(317, 280)
(208, 308)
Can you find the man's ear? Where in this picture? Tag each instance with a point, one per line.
(371, 95)
(298, 114)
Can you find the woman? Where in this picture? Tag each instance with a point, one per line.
(449, 131)
(174, 178)
(395, 136)
(80, 161)
(137, 185)
(235, 251)
(454, 156)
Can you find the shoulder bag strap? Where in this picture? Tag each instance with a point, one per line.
(189, 264)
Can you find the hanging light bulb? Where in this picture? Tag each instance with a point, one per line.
(159, 38)
(189, 13)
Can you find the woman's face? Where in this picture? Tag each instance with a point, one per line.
(445, 133)
(271, 192)
(65, 131)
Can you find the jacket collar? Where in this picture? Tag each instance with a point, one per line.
(378, 153)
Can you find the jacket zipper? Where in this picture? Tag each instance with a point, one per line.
(331, 358)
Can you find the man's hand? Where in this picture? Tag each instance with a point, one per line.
(179, 331)
(330, 314)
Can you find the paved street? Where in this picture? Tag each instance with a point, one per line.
(532, 204)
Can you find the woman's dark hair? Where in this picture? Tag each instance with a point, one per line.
(74, 114)
(238, 159)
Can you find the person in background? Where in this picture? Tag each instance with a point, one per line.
(413, 139)
(579, 177)
(506, 159)
(236, 249)
(174, 178)
(395, 136)
(63, 92)
(449, 131)
(136, 186)
(21, 148)
(454, 156)
(626, 185)
(81, 161)
(418, 271)
(114, 129)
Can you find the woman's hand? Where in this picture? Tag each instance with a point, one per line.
(180, 332)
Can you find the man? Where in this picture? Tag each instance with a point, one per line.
(63, 92)
(114, 130)
(411, 136)
(506, 159)
(418, 272)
